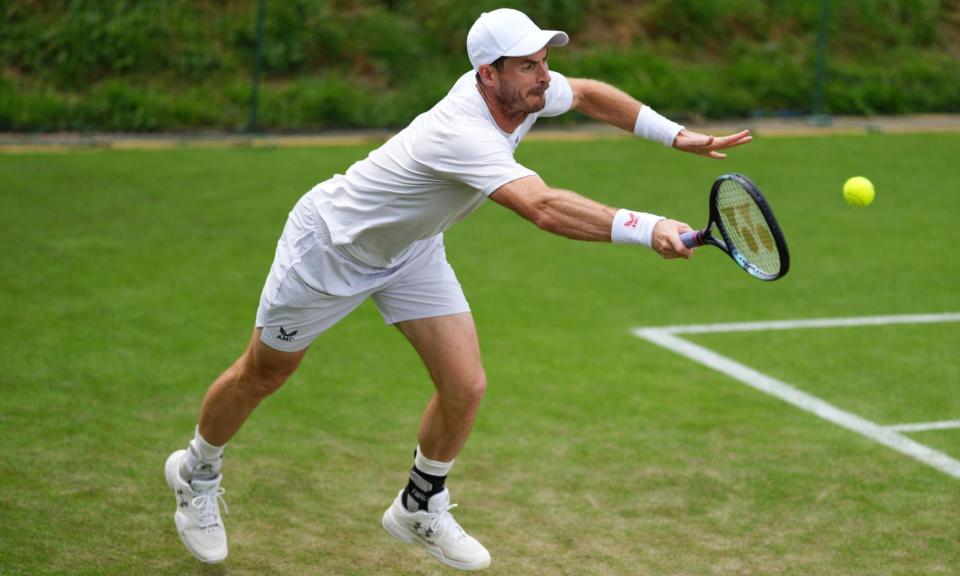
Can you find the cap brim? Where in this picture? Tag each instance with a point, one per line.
(536, 41)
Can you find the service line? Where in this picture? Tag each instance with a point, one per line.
(924, 426)
(890, 436)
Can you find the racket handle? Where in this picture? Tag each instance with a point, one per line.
(692, 239)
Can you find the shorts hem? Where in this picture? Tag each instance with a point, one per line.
(391, 320)
(279, 345)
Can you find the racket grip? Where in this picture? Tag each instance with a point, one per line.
(692, 239)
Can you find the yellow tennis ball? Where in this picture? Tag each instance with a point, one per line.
(858, 191)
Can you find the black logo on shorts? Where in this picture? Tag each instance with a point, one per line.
(286, 336)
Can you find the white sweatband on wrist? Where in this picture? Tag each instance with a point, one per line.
(653, 126)
(633, 227)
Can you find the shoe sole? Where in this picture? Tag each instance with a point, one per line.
(397, 530)
(170, 470)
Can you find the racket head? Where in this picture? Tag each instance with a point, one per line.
(750, 233)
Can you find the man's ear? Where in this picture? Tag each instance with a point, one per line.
(487, 75)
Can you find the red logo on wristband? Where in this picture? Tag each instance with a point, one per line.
(631, 221)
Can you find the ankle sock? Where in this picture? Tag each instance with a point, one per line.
(202, 461)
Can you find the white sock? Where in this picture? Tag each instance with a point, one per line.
(431, 467)
(202, 460)
(206, 451)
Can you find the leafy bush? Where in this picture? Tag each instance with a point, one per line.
(186, 64)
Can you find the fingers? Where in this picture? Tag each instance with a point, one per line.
(679, 248)
(708, 146)
(666, 241)
(733, 137)
(737, 139)
(731, 140)
(724, 142)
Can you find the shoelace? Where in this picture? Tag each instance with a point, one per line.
(206, 503)
(443, 521)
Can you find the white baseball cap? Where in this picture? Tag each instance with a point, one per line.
(508, 32)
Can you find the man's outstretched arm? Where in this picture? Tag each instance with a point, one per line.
(610, 105)
(571, 215)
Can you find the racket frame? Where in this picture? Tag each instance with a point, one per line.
(706, 236)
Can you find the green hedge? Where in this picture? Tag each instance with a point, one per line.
(186, 65)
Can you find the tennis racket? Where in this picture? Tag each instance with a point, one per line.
(748, 232)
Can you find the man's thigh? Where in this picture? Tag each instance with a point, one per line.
(449, 348)
(427, 288)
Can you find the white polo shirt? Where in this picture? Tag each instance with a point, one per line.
(429, 176)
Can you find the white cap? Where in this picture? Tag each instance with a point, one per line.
(508, 32)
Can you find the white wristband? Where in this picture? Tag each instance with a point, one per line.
(653, 126)
(633, 227)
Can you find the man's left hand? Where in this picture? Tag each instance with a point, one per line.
(704, 145)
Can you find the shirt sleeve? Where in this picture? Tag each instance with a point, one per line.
(480, 159)
(559, 96)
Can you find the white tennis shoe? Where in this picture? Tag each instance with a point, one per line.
(198, 512)
(437, 531)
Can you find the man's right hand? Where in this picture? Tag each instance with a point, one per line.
(666, 239)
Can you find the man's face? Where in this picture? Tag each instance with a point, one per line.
(522, 85)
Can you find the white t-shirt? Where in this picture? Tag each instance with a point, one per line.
(429, 176)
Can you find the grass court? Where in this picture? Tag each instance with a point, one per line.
(129, 280)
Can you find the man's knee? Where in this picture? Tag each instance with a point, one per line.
(260, 378)
(469, 391)
(260, 384)
(477, 388)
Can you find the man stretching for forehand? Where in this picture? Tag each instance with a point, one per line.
(377, 232)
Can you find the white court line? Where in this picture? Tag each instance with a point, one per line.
(815, 323)
(924, 426)
(666, 338)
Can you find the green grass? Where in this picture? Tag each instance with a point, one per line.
(129, 280)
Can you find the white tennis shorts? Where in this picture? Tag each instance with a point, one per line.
(312, 284)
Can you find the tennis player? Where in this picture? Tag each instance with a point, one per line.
(377, 232)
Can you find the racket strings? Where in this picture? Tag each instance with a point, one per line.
(747, 228)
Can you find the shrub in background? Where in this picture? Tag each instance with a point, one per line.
(182, 64)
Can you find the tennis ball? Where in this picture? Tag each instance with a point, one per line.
(858, 191)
